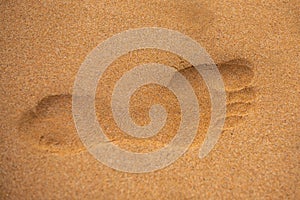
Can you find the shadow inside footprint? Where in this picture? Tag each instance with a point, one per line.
(49, 126)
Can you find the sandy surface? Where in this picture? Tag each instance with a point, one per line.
(256, 48)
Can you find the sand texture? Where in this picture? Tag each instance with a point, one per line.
(255, 46)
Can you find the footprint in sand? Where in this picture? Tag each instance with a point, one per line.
(49, 125)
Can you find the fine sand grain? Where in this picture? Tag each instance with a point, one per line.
(256, 48)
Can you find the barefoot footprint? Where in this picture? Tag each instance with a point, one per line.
(49, 125)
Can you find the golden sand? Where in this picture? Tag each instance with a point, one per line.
(256, 48)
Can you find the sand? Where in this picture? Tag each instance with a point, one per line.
(256, 48)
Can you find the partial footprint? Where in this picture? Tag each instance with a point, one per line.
(237, 74)
(49, 126)
(246, 95)
(240, 95)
